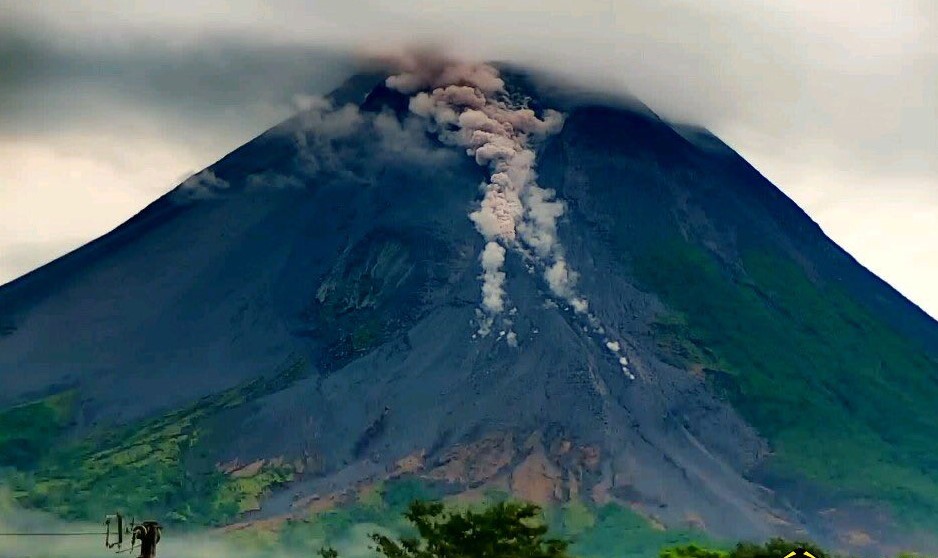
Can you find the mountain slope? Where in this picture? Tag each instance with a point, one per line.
(773, 319)
(303, 318)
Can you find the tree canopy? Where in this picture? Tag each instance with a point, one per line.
(517, 530)
(774, 548)
(503, 530)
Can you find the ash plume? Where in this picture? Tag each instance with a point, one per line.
(467, 106)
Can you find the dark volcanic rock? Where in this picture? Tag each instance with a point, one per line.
(352, 253)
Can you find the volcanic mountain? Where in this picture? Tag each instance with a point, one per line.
(660, 333)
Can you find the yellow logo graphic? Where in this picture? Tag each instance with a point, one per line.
(800, 553)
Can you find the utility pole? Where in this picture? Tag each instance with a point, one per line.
(148, 533)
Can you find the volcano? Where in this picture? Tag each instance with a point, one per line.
(669, 339)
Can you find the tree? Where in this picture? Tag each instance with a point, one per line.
(693, 551)
(774, 548)
(504, 530)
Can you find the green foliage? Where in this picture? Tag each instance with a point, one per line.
(774, 548)
(694, 551)
(148, 469)
(245, 493)
(30, 431)
(846, 402)
(504, 530)
(619, 531)
(594, 532)
(507, 528)
(382, 506)
(142, 470)
(678, 344)
(577, 518)
(842, 397)
(398, 494)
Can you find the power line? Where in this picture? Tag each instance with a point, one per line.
(50, 534)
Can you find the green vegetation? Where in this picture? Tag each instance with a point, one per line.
(155, 468)
(379, 507)
(503, 530)
(847, 403)
(694, 551)
(576, 518)
(618, 531)
(774, 548)
(593, 532)
(518, 530)
(28, 432)
(144, 470)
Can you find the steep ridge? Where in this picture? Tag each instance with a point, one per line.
(303, 317)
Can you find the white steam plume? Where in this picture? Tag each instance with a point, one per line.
(616, 349)
(200, 186)
(493, 280)
(467, 106)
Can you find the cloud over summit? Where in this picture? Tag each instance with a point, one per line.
(833, 101)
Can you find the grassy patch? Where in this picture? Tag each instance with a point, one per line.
(576, 518)
(618, 531)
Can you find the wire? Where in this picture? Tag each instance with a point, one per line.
(50, 534)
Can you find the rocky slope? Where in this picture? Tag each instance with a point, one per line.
(303, 318)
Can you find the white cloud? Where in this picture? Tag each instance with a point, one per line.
(53, 200)
(797, 87)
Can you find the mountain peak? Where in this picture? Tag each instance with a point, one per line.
(475, 280)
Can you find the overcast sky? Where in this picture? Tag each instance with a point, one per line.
(106, 104)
